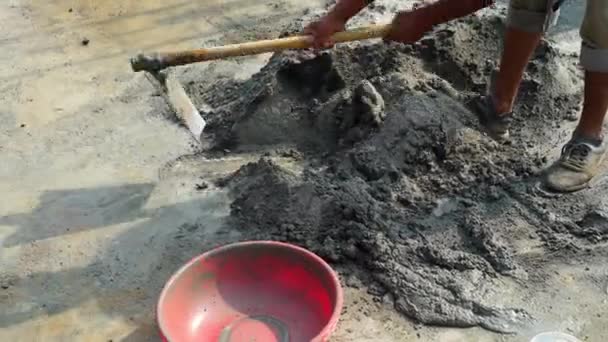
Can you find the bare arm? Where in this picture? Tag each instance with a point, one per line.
(447, 10)
(410, 26)
(334, 21)
(346, 9)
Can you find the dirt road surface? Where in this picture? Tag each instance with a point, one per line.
(105, 194)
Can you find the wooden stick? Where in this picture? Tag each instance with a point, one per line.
(159, 61)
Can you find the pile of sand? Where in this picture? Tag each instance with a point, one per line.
(400, 191)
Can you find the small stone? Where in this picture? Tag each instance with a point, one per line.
(202, 186)
(494, 193)
(370, 103)
(388, 299)
(351, 251)
(347, 212)
(376, 290)
(571, 116)
(353, 281)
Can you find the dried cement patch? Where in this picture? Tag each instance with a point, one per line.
(400, 190)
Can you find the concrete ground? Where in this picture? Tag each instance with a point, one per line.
(99, 182)
(92, 182)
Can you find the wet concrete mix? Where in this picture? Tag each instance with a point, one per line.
(400, 191)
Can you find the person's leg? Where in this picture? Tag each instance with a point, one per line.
(526, 24)
(594, 58)
(583, 154)
(518, 49)
(525, 28)
(595, 105)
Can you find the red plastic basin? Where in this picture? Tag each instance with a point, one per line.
(260, 291)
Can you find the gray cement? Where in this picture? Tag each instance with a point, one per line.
(105, 195)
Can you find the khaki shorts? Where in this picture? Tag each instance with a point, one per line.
(537, 16)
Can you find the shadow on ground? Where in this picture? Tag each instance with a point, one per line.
(133, 266)
(62, 212)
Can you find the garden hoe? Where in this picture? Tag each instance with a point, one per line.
(176, 95)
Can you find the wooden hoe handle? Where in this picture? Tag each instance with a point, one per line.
(158, 61)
